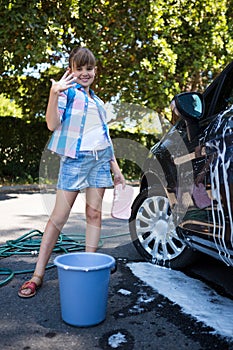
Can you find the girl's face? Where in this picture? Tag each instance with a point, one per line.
(85, 75)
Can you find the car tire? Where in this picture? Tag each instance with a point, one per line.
(153, 231)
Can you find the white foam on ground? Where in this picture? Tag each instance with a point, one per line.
(124, 291)
(193, 296)
(116, 340)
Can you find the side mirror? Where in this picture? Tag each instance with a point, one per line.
(190, 104)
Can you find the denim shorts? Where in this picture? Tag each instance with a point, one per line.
(90, 169)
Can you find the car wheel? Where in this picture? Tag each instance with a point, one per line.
(153, 231)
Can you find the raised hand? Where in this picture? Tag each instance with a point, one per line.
(64, 83)
(52, 112)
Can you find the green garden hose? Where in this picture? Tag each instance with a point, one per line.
(29, 244)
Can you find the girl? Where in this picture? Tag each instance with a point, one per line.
(81, 138)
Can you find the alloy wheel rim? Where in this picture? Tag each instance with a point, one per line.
(156, 230)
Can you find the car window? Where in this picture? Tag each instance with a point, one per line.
(219, 95)
(225, 98)
(208, 98)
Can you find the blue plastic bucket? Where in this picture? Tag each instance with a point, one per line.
(83, 284)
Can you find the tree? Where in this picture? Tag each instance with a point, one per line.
(201, 39)
(147, 51)
(8, 108)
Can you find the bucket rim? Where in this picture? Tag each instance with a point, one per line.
(108, 265)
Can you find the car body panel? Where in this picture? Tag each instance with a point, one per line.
(202, 166)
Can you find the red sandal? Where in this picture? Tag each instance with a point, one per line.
(30, 285)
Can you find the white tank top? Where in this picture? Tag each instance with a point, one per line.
(93, 134)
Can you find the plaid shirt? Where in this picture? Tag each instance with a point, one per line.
(73, 105)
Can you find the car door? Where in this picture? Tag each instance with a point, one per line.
(208, 221)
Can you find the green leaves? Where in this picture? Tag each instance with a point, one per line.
(147, 51)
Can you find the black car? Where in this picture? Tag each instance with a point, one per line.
(185, 203)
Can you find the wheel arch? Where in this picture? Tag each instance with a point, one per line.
(179, 261)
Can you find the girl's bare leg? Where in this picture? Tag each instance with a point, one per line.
(94, 199)
(58, 218)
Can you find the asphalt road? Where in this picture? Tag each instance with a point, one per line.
(131, 322)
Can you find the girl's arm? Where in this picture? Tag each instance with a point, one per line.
(118, 176)
(52, 112)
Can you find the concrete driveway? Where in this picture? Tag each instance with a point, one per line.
(137, 317)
